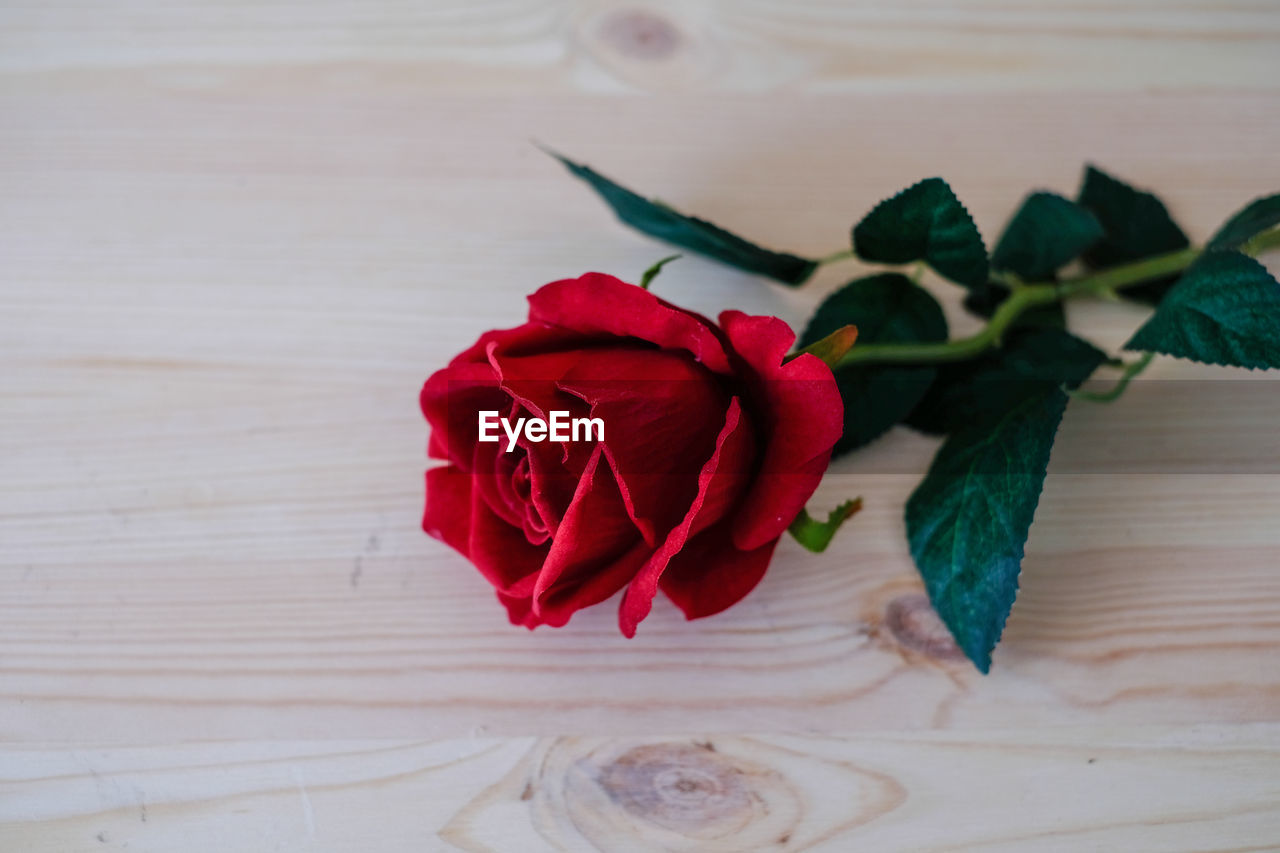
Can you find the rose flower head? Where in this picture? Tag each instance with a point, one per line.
(707, 442)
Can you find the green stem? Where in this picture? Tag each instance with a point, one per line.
(1264, 242)
(841, 255)
(1114, 392)
(1021, 299)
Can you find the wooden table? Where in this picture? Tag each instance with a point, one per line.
(236, 237)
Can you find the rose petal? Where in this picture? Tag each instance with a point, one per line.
(532, 380)
(451, 400)
(598, 304)
(662, 413)
(500, 551)
(555, 468)
(710, 574)
(452, 397)
(638, 600)
(735, 469)
(560, 603)
(519, 487)
(594, 534)
(531, 338)
(519, 610)
(494, 473)
(447, 515)
(552, 482)
(584, 568)
(804, 418)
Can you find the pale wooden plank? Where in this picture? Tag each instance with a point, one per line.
(1208, 789)
(235, 237)
(691, 45)
(217, 313)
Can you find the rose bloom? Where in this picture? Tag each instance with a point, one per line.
(712, 445)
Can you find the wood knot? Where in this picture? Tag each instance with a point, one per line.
(651, 796)
(639, 34)
(679, 786)
(916, 625)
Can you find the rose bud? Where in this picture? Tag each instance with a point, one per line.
(712, 442)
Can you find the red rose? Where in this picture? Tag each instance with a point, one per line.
(712, 444)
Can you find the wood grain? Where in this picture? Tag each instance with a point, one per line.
(1211, 788)
(655, 45)
(235, 238)
(219, 314)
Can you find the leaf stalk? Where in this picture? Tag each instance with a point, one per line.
(1021, 300)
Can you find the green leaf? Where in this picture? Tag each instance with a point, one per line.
(816, 535)
(1046, 233)
(697, 235)
(652, 272)
(1224, 310)
(886, 308)
(976, 391)
(967, 521)
(924, 222)
(833, 347)
(1258, 216)
(1136, 226)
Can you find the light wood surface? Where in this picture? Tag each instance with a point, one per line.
(655, 45)
(1208, 788)
(235, 238)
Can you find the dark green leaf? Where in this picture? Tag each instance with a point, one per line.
(967, 521)
(976, 391)
(1136, 226)
(697, 235)
(1260, 215)
(816, 535)
(984, 301)
(1046, 233)
(886, 308)
(924, 222)
(1224, 310)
